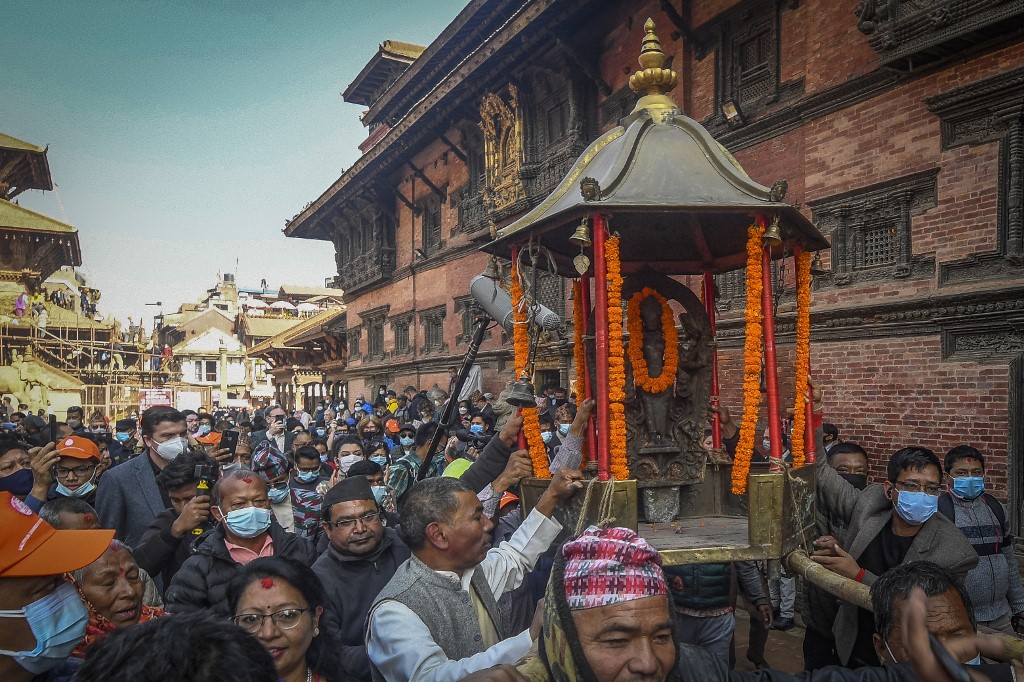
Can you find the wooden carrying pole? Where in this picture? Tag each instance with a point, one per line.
(709, 305)
(583, 373)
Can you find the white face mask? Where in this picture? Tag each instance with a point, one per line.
(171, 448)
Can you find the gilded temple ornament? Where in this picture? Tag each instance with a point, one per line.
(502, 126)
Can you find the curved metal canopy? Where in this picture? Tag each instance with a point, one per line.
(680, 201)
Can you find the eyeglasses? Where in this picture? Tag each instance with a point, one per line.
(79, 472)
(284, 619)
(365, 519)
(912, 487)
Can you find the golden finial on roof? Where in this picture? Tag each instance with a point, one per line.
(653, 80)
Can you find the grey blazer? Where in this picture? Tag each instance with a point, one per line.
(866, 513)
(128, 499)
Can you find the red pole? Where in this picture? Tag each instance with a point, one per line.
(588, 389)
(601, 346)
(709, 305)
(771, 377)
(521, 438)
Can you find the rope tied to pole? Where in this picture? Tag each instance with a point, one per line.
(604, 508)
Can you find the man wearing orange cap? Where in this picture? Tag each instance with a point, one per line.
(78, 460)
(42, 618)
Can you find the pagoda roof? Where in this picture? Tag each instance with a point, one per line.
(13, 216)
(392, 58)
(25, 167)
(307, 330)
(265, 327)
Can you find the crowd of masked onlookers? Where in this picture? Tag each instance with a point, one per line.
(329, 544)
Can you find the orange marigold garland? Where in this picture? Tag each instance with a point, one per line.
(751, 361)
(521, 346)
(641, 376)
(578, 350)
(803, 354)
(616, 365)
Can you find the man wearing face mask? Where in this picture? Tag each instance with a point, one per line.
(305, 499)
(406, 442)
(245, 530)
(75, 418)
(274, 468)
(994, 584)
(42, 618)
(122, 448)
(129, 498)
(818, 607)
(888, 524)
(362, 557)
(75, 472)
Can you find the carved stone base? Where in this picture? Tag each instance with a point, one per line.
(661, 505)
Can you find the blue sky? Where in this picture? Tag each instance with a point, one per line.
(183, 133)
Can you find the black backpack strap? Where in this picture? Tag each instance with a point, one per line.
(1000, 514)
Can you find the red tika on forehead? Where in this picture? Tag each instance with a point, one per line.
(247, 479)
(267, 583)
(114, 547)
(87, 517)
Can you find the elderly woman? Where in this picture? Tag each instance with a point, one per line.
(281, 603)
(112, 590)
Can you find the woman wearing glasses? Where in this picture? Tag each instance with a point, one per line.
(281, 603)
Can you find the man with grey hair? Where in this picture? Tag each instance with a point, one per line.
(437, 619)
(245, 530)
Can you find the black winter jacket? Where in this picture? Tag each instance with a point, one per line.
(352, 585)
(202, 581)
(161, 554)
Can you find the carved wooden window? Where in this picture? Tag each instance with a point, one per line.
(870, 230)
(375, 337)
(430, 221)
(432, 321)
(754, 61)
(557, 117)
(551, 292)
(401, 326)
(468, 311)
(732, 290)
(353, 335)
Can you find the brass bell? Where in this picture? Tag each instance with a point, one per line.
(817, 267)
(491, 271)
(772, 236)
(521, 394)
(581, 237)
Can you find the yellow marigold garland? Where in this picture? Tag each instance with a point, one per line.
(641, 376)
(616, 365)
(751, 361)
(803, 354)
(521, 346)
(578, 350)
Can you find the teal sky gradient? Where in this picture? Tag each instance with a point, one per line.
(183, 133)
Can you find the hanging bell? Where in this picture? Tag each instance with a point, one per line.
(772, 236)
(521, 394)
(581, 237)
(491, 271)
(581, 263)
(817, 267)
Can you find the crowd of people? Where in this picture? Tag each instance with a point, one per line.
(328, 545)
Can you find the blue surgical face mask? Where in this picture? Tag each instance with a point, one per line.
(278, 495)
(248, 522)
(546, 436)
(379, 493)
(122, 437)
(916, 508)
(307, 476)
(58, 623)
(380, 461)
(476, 428)
(320, 432)
(969, 487)
(406, 441)
(204, 429)
(563, 429)
(18, 484)
(80, 491)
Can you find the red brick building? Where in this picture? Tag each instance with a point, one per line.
(897, 124)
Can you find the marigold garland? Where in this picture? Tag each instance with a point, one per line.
(751, 361)
(578, 350)
(616, 365)
(803, 354)
(635, 324)
(521, 346)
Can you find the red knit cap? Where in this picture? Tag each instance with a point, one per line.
(605, 566)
